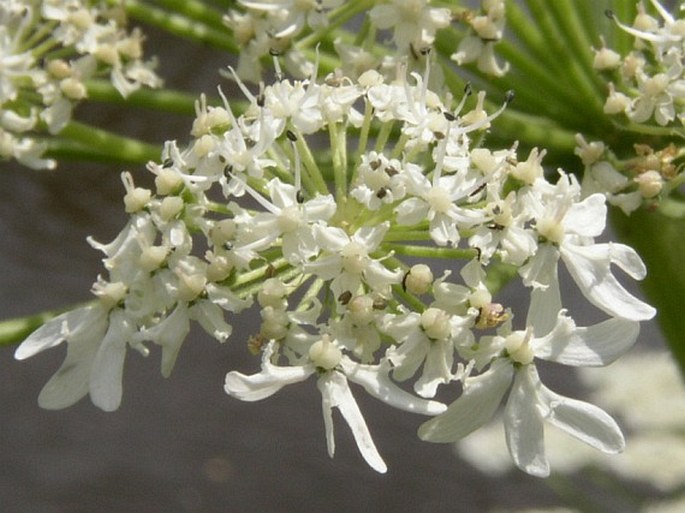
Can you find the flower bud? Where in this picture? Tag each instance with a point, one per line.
(324, 354)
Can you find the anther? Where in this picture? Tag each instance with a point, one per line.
(291, 135)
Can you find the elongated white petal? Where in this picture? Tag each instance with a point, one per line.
(476, 406)
(437, 368)
(336, 393)
(108, 364)
(545, 305)
(596, 345)
(71, 381)
(266, 383)
(627, 259)
(376, 381)
(523, 424)
(541, 269)
(91, 320)
(584, 421)
(170, 333)
(590, 268)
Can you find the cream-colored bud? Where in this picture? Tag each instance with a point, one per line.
(170, 207)
(361, 310)
(136, 199)
(324, 354)
(436, 323)
(419, 279)
(518, 348)
(550, 229)
(649, 183)
(168, 181)
(219, 268)
(110, 293)
(152, 257)
(190, 286)
(107, 54)
(272, 293)
(73, 88)
(59, 68)
(606, 59)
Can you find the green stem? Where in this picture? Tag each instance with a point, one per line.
(177, 102)
(196, 10)
(181, 26)
(429, 251)
(105, 143)
(337, 18)
(338, 145)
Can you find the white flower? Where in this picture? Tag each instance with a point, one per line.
(334, 370)
(97, 340)
(346, 259)
(414, 23)
(529, 402)
(570, 227)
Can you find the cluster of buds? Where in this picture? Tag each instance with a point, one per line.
(252, 214)
(48, 51)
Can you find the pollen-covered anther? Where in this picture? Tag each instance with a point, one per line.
(418, 279)
(490, 316)
(436, 323)
(324, 353)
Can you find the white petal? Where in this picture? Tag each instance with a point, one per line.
(375, 380)
(584, 421)
(266, 383)
(627, 259)
(411, 211)
(540, 270)
(108, 364)
(596, 345)
(590, 268)
(545, 305)
(371, 236)
(475, 407)
(170, 333)
(437, 368)
(211, 318)
(587, 218)
(91, 320)
(523, 424)
(335, 393)
(71, 381)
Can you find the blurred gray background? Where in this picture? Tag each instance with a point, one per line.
(181, 444)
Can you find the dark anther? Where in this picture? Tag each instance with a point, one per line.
(382, 192)
(509, 97)
(168, 163)
(404, 281)
(448, 115)
(610, 14)
(274, 52)
(270, 271)
(478, 189)
(380, 303)
(425, 50)
(291, 135)
(391, 171)
(228, 170)
(345, 297)
(375, 164)
(468, 89)
(260, 100)
(299, 196)
(222, 159)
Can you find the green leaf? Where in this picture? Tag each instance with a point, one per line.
(660, 241)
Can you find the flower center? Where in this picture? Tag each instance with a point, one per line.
(324, 354)
(436, 323)
(439, 200)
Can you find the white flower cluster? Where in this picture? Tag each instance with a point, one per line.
(644, 179)
(252, 213)
(648, 81)
(479, 46)
(48, 50)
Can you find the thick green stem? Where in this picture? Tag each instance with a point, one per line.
(181, 26)
(104, 143)
(177, 102)
(429, 251)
